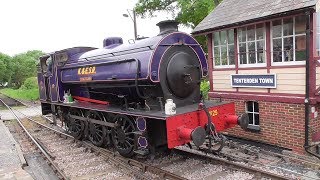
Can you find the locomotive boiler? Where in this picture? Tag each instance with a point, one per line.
(116, 95)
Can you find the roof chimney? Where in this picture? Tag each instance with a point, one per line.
(168, 26)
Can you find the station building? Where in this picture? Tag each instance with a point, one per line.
(264, 56)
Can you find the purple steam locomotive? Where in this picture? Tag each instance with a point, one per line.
(117, 95)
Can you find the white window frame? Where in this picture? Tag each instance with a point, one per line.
(247, 52)
(253, 112)
(213, 46)
(284, 63)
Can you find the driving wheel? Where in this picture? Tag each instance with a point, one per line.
(123, 135)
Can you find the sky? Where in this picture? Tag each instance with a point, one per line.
(51, 25)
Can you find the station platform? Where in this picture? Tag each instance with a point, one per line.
(11, 157)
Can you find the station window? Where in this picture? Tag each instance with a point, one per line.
(251, 42)
(223, 48)
(252, 109)
(289, 40)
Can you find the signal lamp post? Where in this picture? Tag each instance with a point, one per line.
(134, 20)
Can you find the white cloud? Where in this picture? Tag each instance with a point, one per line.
(51, 25)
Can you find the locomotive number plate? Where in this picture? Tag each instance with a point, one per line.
(87, 70)
(213, 112)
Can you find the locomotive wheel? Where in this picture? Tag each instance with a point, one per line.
(97, 132)
(123, 135)
(109, 117)
(75, 126)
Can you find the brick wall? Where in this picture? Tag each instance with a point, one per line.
(315, 125)
(281, 124)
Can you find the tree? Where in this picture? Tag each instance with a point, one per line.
(5, 69)
(188, 12)
(34, 54)
(24, 66)
(15, 70)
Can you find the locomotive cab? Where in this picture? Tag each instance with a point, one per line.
(45, 73)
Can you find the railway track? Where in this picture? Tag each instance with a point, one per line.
(73, 159)
(181, 164)
(46, 155)
(259, 160)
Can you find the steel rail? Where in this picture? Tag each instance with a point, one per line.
(266, 165)
(273, 166)
(112, 158)
(109, 154)
(224, 155)
(23, 103)
(117, 159)
(283, 156)
(34, 107)
(43, 151)
(145, 167)
(309, 163)
(40, 124)
(166, 174)
(138, 174)
(257, 172)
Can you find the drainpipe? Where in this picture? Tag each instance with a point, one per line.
(306, 101)
(307, 97)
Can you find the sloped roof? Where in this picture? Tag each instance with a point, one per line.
(234, 11)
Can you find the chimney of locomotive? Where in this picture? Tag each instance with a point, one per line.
(168, 26)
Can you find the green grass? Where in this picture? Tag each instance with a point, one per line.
(24, 94)
(28, 91)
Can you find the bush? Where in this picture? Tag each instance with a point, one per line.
(204, 88)
(30, 83)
